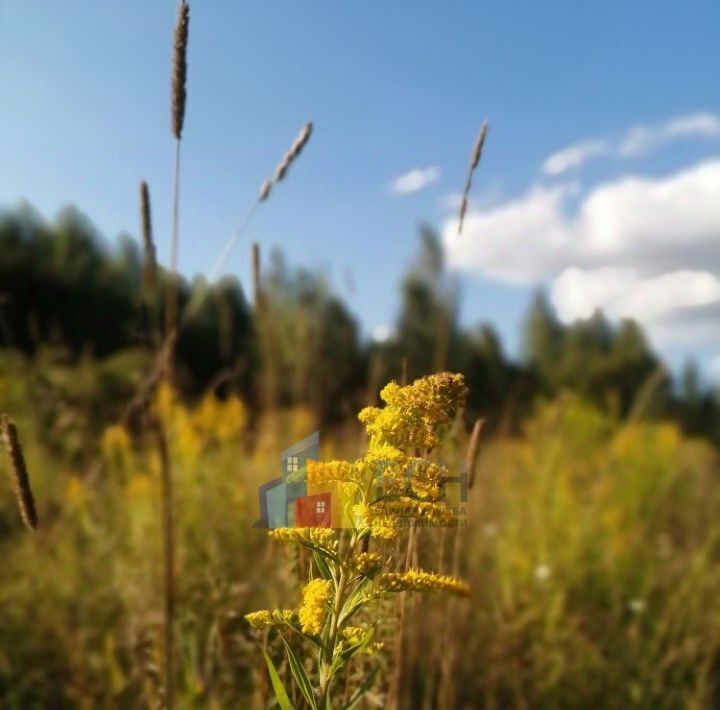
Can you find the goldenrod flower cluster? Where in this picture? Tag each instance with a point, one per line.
(115, 438)
(220, 420)
(322, 537)
(381, 526)
(392, 483)
(212, 421)
(331, 472)
(265, 618)
(419, 581)
(367, 561)
(313, 610)
(385, 528)
(415, 414)
(355, 634)
(405, 508)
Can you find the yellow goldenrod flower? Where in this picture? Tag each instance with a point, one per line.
(355, 634)
(419, 581)
(384, 528)
(265, 618)
(76, 493)
(189, 443)
(115, 441)
(414, 414)
(367, 561)
(322, 537)
(313, 610)
(218, 420)
(409, 508)
(330, 471)
(166, 403)
(138, 486)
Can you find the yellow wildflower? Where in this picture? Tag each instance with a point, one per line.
(234, 419)
(409, 508)
(264, 618)
(138, 486)
(414, 414)
(115, 441)
(313, 610)
(385, 528)
(189, 444)
(355, 634)
(76, 493)
(322, 537)
(167, 403)
(367, 561)
(419, 581)
(330, 471)
(222, 421)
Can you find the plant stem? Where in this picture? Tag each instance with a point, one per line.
(168, 557)
(173, 290)
(334, 623)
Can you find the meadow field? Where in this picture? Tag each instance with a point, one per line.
(143, 411)
(590, 547)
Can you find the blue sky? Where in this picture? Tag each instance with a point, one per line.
(392, 88)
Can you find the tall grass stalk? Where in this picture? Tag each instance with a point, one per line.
(149, 265)
(474, 161)
(280, 171)
(18, 472)
(256, 285)
(448, 648)
(168, 542)
(179, 100)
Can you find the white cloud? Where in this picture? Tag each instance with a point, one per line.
(643, 139)
(621, 293)
(647, 248)
(638, 140)
(574, 156)
(578, 293)
(517, 241)
(651, 224)
(415, 180)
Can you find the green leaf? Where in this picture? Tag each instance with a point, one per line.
(322, 565)
(280, 692)
(321, 550)
(300, 676)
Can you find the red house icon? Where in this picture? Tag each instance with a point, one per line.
(314, 511)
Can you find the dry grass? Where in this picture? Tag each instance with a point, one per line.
(474, 162)
(18, 472)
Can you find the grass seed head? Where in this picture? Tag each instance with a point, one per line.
(474, 161)
(295, 150)
(473, 451)
(149, 253)
(18, 472)
(179, 71)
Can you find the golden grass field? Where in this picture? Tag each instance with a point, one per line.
(591, 550)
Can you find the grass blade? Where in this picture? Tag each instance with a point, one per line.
(278, 687)
(300, 675)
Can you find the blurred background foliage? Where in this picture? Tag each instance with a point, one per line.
(66, 296)
(593, 535)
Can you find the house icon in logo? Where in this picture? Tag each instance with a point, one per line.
(285, 501)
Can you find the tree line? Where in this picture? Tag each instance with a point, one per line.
(66, 290)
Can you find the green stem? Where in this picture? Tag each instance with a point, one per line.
(329, 654)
